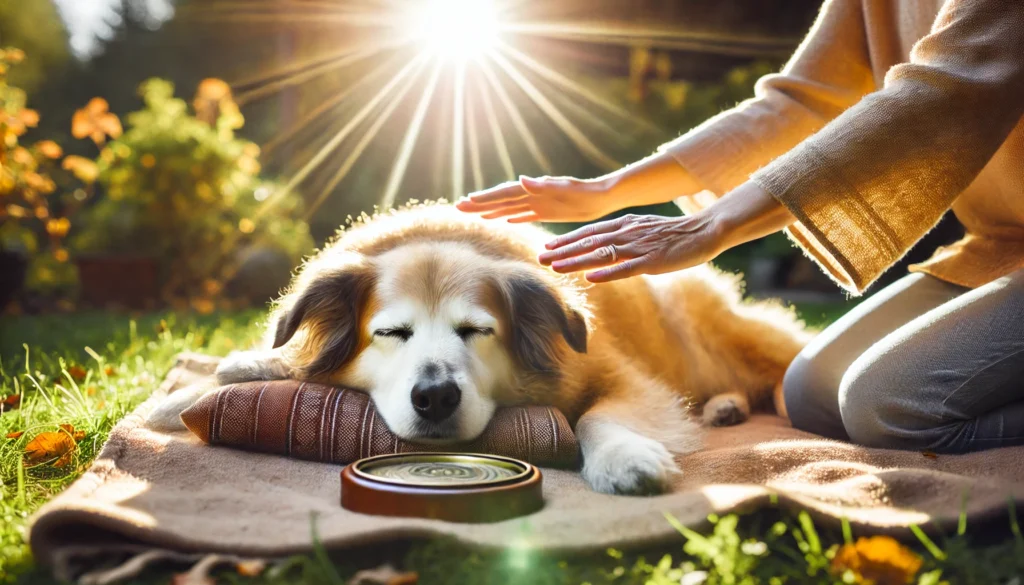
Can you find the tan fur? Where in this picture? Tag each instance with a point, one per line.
(656, 344)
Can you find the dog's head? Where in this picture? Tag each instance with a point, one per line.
(438, 334)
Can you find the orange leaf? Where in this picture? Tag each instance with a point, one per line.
(49, 149)
(50, 445)
(12, 402)
(14, 55)
(15, 434)
(930, 454)
(77, 372)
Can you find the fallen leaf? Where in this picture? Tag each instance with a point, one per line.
(383, 575)
(15, 434)
(12, 402)
(50, 445)
(78, 373)
(251, 568)
(70, 429)
(930, 454)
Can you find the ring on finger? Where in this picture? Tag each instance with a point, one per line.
(613, 252)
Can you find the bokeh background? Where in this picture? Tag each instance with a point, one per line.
(188, 153)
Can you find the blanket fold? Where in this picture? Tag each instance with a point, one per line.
(173, 492)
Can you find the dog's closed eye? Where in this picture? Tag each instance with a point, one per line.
(400, 333)
(468, 331)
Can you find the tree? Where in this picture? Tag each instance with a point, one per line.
(35, 27)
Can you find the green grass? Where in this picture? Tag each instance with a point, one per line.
(91, 369)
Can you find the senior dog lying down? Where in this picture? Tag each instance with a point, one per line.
(441, 317)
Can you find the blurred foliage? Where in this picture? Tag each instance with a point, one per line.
(32, 224)
(34, 26)
(181, 187)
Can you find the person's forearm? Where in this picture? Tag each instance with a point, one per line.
(746, 213)
(655, 179)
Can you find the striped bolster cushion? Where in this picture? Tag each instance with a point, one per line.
(340, 425)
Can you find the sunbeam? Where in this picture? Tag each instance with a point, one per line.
(583, 143)
(458, 131)
(334, 142)
(517, 120)
(474, 144)
(409, 142)
(497, 135)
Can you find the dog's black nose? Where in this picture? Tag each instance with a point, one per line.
(436, 400)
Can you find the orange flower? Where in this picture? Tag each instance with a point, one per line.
(95, 121)
(29, 117)
(61, 254)
(878, 560)
(211, 95)
(83, 168)
(23, 157)
(148, 161)
(49, 149)
(13, 55)
(78, 373)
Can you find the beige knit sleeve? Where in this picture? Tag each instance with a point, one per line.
(828, 73)
(878, 177)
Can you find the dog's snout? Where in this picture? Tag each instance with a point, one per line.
(436, 400)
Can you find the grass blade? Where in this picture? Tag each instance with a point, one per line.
(927, 542)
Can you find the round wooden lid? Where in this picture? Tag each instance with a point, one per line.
(456, 487)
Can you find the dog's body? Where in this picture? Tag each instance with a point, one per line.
(442, 317)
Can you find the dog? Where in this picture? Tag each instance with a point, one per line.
(442, 317)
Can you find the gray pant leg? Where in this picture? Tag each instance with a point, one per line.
(811, 384)
(951, 380)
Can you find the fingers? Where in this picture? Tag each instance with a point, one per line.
(594, 229)
(631, 267)
(508, 211)
(579, 247)
(603, 256)
(470, 206)
(502, 192)
(528, 218)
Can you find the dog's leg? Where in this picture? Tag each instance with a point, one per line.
(166, 417)
(628, 443)
(249, 366)
(723, 410)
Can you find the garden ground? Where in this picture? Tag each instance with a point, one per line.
(87, 370)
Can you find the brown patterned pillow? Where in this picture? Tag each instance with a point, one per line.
(339, 425)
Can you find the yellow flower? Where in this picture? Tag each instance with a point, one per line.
(58, 228)
(878, 560)
(14, 55)
(61, 255)
(84, 169)
(246, 226)
(148, 161)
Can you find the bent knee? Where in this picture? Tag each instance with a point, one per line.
(873, 413)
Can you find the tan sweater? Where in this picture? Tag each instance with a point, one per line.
(889, 113)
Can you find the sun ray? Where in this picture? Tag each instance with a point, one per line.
(474, 144)
(631, 35)
(458, 131)
(409, 142)
(364, 142)
(338, 138)
(335, 101)
(497, 135)
(352, 56)
(584, 144)
(517, 120)
(562, 81)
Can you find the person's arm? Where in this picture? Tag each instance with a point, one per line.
(828, 73)
(877, 178)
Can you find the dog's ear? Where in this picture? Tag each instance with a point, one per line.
(329, 307)
(537, 315)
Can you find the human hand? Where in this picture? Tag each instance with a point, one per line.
(553, 199)
(633, 245)
(649, 244)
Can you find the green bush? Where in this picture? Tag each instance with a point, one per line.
(181, 187)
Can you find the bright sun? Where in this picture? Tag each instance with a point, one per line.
(457, 29)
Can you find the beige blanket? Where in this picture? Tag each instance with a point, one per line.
(172, 492)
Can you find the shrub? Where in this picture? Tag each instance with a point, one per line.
(181, 187)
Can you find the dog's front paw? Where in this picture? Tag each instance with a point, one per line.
(166, 416)
(635, 466)
(249, 366)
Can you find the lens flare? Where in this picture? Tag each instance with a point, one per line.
(457, 30)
